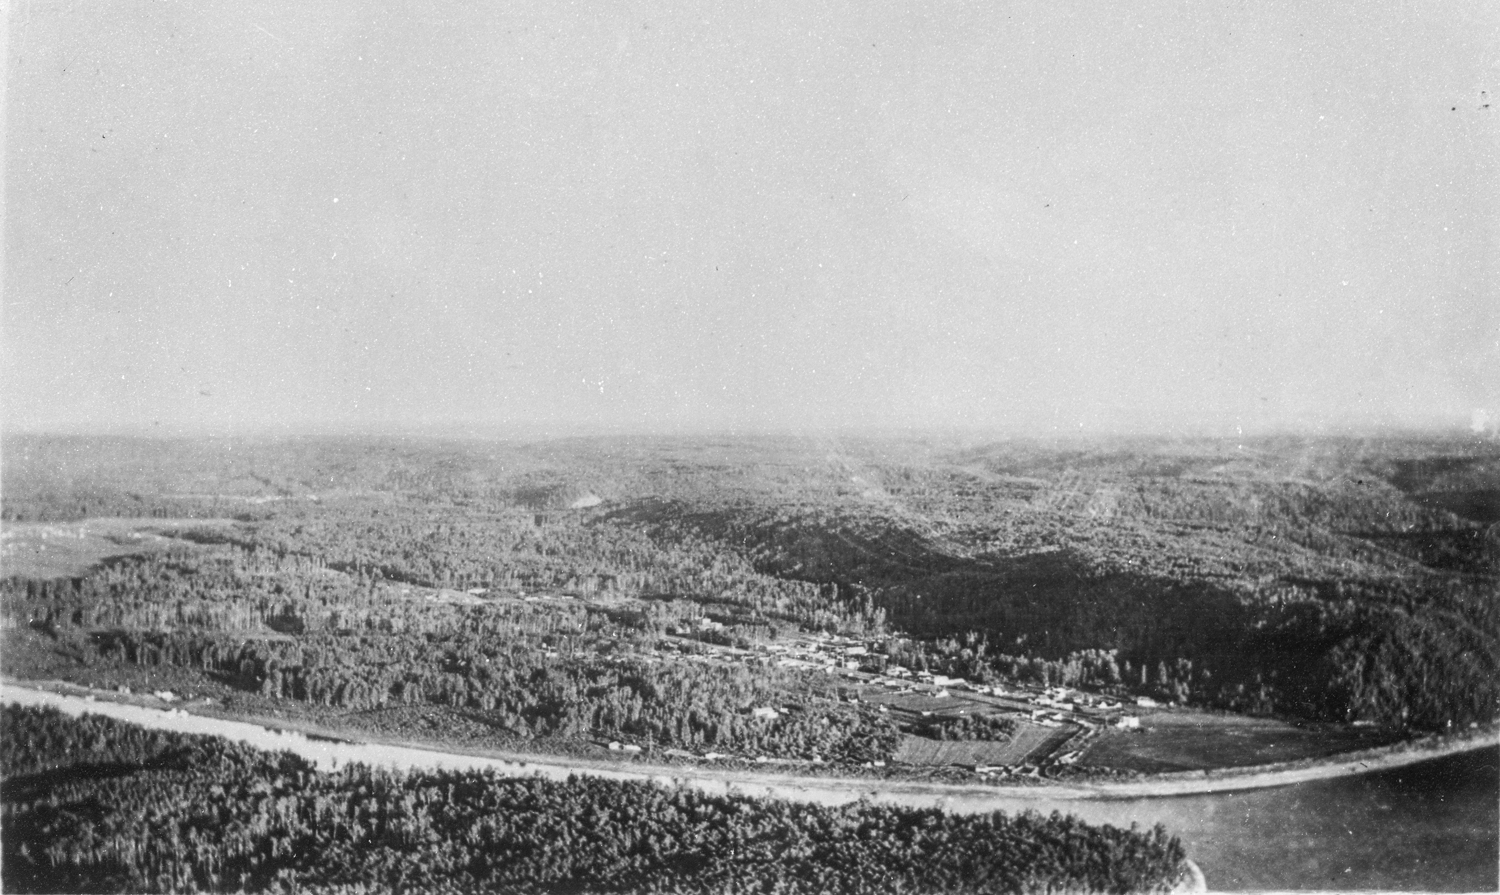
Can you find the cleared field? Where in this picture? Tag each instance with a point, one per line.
(1030, 743)
(71, 549)
(1190, 741)
(919, 702)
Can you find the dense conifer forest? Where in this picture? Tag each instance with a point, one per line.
(1328, 579)
(92, 804)
(704, 600)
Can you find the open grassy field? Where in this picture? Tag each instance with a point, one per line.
(1189, 740)
(73, 549)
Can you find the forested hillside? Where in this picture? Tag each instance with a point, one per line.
(92, 804)
(1332, 579)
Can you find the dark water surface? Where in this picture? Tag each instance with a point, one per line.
(1433, 826)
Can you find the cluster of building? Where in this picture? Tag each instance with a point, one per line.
(866, 663)
(893, 687)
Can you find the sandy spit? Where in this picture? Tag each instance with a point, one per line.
(330, 749)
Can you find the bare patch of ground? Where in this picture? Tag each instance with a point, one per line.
(1185, 740)
(72, 549)
(1029, 743)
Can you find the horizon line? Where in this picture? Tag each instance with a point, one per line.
(548, 431)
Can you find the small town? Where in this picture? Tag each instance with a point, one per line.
(1053, 724)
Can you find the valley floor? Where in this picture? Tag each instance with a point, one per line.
(323, 742)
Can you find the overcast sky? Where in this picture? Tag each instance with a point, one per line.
(1034, 216)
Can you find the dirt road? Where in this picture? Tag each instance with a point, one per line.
(330, 748)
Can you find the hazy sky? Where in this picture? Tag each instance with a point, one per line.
(1035, 215)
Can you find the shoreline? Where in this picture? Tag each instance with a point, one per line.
(1194, 883)
(330, 742)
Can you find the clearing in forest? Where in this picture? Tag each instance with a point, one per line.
(1187, 740)
(1029, 744)
(44, 550)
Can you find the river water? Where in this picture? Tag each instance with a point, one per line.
(1432, 826)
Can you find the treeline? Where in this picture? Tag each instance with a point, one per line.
(1430, 664)
(564, 669)
(521, 688)
(1289, 577)
(179, 813)
(56, 478)
(584, 554)
(1370, 505)
(1415, 649)
(1427, 659)
(253, 590)
(283, 625)
(971, 727)
(973, 658)
(1419, 652)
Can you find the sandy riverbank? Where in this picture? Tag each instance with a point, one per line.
(330, 747)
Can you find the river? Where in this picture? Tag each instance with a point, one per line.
(1431, 826)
